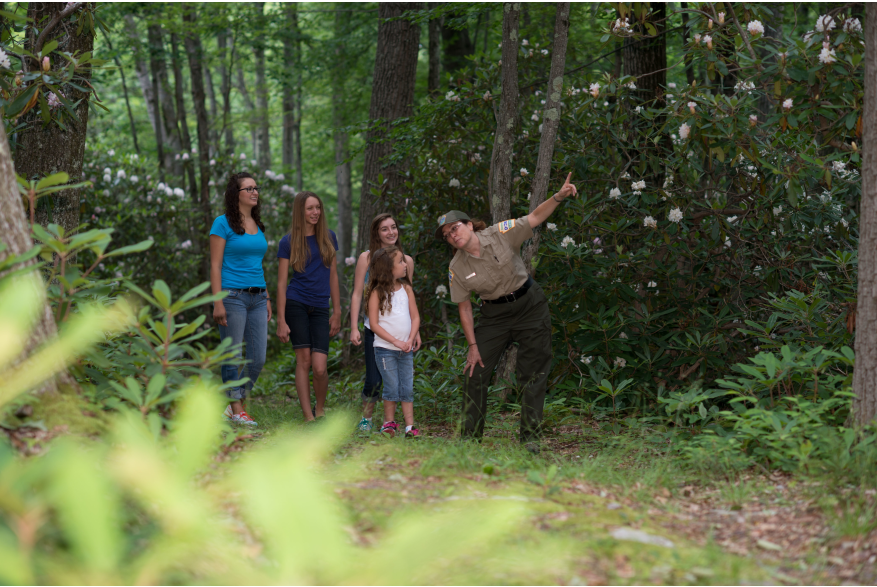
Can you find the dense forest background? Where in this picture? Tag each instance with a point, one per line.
(712, 289)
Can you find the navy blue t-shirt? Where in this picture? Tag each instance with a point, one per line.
(310, 287)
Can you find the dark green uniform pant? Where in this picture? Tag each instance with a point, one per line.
(527, 322)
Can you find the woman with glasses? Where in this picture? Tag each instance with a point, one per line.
(308, 251)
(514, 309)
(237, 247)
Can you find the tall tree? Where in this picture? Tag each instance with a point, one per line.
(170, 128)
(15, 234)
(288, 137)
(263, 127)
(500, 180)
(392, 98)
(457, 45)
(204, 216)
(645, 55)
(179, 89)
(146, 85)
(226, 60)
(343, 180)
(433, 79)
(43, 149)
(296, 126)
(865, 373)
(121, 69)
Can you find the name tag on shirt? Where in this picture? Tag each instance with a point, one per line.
(470, 275)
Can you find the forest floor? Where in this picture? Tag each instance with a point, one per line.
(598, 508)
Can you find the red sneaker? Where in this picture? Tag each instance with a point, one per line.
(243, 418)
(389, 428)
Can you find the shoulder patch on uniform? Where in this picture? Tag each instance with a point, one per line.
(442, 219)
(450, 277)
(505, 226)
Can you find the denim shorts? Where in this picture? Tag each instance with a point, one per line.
(308, 327)
(397, 371)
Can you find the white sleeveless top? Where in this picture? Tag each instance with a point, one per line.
(397, 321)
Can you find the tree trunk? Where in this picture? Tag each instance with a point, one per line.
(251, 106)
(214, 110)
(392, 98)
(500, 179)
(44, 149)
(343, 182)
(686, 33)
(226, 59)
(542, 174)
(121, 69)
(263, 127)
(145, 82)
(204, 217)
(297, 100)
(645, 58)
(457, 46)
(433, 80)
(864, 409)
(157, 63)
(289, 41)
(15, 233)
(179, 88)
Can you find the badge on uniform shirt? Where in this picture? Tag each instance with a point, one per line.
(442, 219)
(506, 225)
(450, 277)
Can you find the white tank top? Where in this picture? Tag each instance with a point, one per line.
(397, 322)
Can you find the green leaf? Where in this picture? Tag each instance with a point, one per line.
(162, 294)
(49, 47)
(137, 248)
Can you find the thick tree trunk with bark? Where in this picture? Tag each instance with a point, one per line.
(645, 58)
(15, 234)
(392, 98)
(204, 217)
(433, 79)
(457, 46)
(500, 179)
(343, 181)
(865, 374)
(542, 174)
(44, 149)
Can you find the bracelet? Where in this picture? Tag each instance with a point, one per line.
(554, 197)
(473, 344)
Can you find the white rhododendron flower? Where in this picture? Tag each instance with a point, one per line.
(755, 28)
(524, 172)
(567, 241)
(169, 191)
(4, 60)
(524, 42)
(551, 227)
(53, 100)
(787, 104)
(615, 193)
(745, 87)
(623, 335)
(777, 211)
(586, 359)
(684, 131)
(350, 261)
(121, 174)
(697, 39)
(620, 362)
(838, 165)
(852, 26)
(692, 106)
(721, 18)
(134, 179)
(441, 291)
(178, 192)
(675, 215)
(186, 244)
(650, 222)
(639, 185)
(454, 183)
(486, 96)
(544, 51)
(652, 284)
(827, 55)
(107, 177)
(825, 23)
(708, 40)
(213, 162)
(753, 120)
(594, 89)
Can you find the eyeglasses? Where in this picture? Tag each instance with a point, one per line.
(250, 189)
(452, 231)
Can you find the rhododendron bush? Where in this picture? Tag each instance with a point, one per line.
(700, 213)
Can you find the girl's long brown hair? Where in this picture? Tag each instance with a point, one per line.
(299, 252)
(381, 278)
(232, 204)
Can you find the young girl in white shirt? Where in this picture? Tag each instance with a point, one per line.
(395, 321)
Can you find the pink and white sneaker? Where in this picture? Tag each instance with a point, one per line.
(244, 419)
(390, 429)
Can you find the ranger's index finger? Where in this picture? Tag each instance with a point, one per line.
(569, 177)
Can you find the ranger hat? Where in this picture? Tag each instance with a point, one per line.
(450, 218)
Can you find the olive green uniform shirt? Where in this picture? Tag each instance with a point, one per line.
(499, 270)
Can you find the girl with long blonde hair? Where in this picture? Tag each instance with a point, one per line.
(309, 250)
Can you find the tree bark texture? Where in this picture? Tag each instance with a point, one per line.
(458, 46)
(645, 58)
(392, 98)
(343, 181)
(263, 128)
(288, 137)
(226, 58)
(251, 107)
(865, 373)
(179, 88)
(433, 79)
(121, 69)
(686, 33)
(542, 174)
(204, 216)
(15, 234)
(44, 149)
(500, 179)
(297, 102)
(143, 78)
(170, 128)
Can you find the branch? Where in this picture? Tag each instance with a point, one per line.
(742, 34)
(53, 23)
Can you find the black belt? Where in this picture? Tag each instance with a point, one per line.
(252, 290)
(515, 295)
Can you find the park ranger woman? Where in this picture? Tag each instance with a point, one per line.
(514, 309)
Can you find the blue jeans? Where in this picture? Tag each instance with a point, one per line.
(247, 318)
(397, 371)
(371, 389)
